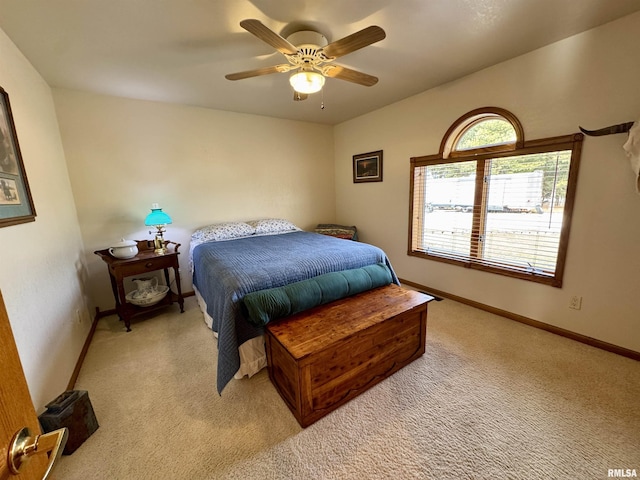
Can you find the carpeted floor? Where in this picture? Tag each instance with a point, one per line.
(490, 399)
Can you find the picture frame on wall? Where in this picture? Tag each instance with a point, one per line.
(367, 167)
(16, 203)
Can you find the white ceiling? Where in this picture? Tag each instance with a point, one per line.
(179, 50)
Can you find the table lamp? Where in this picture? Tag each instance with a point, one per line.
(157, 218)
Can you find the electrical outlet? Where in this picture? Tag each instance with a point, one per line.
(78, 316)
(575, 302)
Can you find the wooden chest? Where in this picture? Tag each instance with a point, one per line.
(322, 358)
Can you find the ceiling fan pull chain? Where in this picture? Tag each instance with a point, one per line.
(322, 100)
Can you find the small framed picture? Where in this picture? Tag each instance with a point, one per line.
(367, 167)
(16, 204)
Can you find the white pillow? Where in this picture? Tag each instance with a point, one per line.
(223, 231)
(272, 225)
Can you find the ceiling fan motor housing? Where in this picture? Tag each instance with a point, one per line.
(308, 38)
(308, 43)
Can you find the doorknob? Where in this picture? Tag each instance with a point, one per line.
(23, 446)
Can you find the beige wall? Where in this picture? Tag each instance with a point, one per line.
(42, 273)
(202, 166)
(589, 80)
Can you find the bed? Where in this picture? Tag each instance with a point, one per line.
(233, 259)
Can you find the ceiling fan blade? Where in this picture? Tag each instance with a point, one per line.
(258, 71)
(268, 36)
(354, 42)
(297, 96)
(344, 73)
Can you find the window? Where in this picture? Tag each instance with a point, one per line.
(493, 202)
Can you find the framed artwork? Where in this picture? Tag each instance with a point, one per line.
(367, 167)
(16, 204)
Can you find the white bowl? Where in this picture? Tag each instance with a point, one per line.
(148, 300)
(124, 249)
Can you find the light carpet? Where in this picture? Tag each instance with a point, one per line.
(490, 399)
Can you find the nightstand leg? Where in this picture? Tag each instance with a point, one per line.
(180, 299)
(116, 296)
(118, 293)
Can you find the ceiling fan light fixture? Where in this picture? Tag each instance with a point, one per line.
(307, 82)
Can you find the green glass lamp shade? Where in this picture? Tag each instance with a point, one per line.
(157, 216)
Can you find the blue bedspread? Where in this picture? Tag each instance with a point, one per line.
(226, 271)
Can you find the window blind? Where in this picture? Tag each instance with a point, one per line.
(505, 213)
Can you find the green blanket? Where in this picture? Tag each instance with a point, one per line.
(265, 305)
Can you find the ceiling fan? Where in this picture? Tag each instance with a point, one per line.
(311, 57)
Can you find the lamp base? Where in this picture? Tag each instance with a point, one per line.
(159, 245)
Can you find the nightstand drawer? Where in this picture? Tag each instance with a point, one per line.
(148, 265)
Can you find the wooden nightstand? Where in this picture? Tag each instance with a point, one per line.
(144, 262)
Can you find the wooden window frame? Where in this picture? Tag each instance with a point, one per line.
(448, 154)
